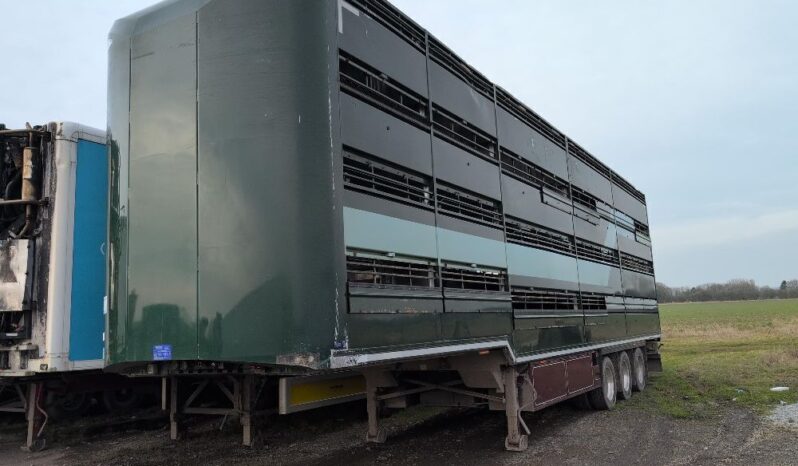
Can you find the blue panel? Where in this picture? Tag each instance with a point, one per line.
(86, 322)
(377, 232)
(532, 262)
(471, 249)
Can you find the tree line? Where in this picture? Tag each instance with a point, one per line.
(733, 290)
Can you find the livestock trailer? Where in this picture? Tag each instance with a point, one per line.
(310, 186)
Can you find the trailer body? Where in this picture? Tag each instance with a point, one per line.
(312, 184)
(306, 186)
(54, 271)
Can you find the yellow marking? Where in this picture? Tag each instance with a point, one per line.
(311, 392)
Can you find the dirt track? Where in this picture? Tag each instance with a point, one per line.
(561, 435)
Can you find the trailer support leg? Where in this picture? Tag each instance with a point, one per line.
(375, 434)
(247, 402)
(164, 394)
(34, 416)
(174, 409)
(514, 441)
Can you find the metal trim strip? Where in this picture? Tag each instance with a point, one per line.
(340, 359)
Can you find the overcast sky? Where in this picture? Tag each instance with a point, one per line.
(693, 101)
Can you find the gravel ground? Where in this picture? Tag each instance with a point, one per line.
(785, 415)
(423, 436)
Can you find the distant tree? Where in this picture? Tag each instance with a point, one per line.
(733, 290)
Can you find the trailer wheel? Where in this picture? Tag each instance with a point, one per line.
(61, 407)
(624, 375)
(603, 398)
(639, 370)
(121, 400)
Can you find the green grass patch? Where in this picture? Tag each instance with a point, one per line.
(716, 354)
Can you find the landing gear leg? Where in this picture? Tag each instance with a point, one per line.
(515, 441)
(174, 409)
(36, 418)
(376, 434)
(247, 402)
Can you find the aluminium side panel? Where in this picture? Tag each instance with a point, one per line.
(629, 205)
(162, 192)
(367, 39)
(530, 144)
(270, 253)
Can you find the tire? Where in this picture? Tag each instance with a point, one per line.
(624, 367)
(121, 400)
(639, 370)
(61, 407)
(604, 397)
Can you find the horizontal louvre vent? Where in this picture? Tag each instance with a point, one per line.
(446, 58)
(468, 206)
(588, 159)
(473, 279)
(637, 264)
(520, 111)
(521, 168)
(626, 186)
(463, 134)
(374, 87)
(521, 232)
(393, 19)
(533, 299)
(592, 302)
(596, 252)
(584, 198)
(368, 270)
(641, 229)
(368, 175)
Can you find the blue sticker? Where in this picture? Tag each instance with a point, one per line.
(162, 352)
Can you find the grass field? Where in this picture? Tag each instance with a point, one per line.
(725, 353)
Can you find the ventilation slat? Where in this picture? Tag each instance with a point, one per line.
(592, 302)
(369, 175)
(515, 165)
(369, 270)
(463, 134)
(637, 264)
(468, 206)
(596, 252)
(537, 299)
(461, 277)
(370, 85)
(528, 234)
(584, 198)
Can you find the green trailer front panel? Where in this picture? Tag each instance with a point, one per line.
(227, 241)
